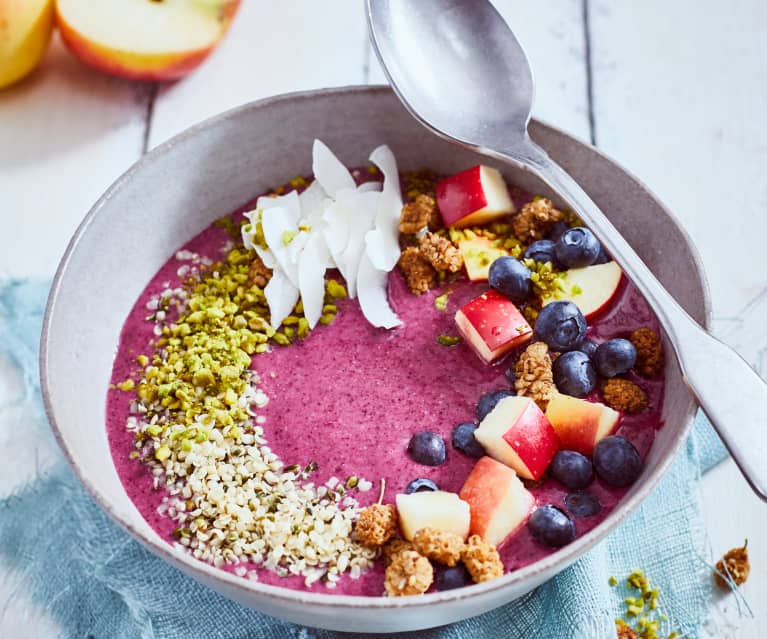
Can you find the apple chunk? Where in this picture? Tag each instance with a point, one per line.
(475, 196)
(590, 288)
(517, 433)
(492, 325)
(580, 424)
(25, 30)
(144, 40)
(478, 254)
(499, 502)
(432, 509)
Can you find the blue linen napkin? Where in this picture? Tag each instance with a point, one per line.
(93, 580)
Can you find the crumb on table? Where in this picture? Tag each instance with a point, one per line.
(734, 564)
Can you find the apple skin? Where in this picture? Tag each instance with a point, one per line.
(478, 254)
(436, 509)
(517, 433)
(492, 325)
(154, 67)
(25, 31)
(475, 196)
(499, 502)
(598, 286)
(580, 424)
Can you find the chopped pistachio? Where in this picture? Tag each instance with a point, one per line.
(336, 290)
(447, 340)
(287, 237)
(440, 302)
(162, 453)
(327, 318)
(142, 360)
(127, 385)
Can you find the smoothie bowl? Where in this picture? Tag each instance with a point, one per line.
(382, 397)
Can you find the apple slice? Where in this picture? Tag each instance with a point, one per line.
(475, 196)
(141, 39)
(499, 502)
(25, 30)
(591, 288)
(478, 254)
(434, 509)
(517, 433)
(580, 424)
(492, 325)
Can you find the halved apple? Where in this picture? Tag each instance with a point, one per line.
(432, 509)
(499, 502)
(475, 196)
(478, 254)
(591, 288)
(580, 424)
(492, 325)
(25, 30)
(144, 39)
(517, 433)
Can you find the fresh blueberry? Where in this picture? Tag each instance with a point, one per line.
(582, 504)
(541, 251)
(603, 257)
(463, 440)
(588, 346)
(561, 325)
(558, 230)
(450, 578)
(421, 485)
(615, 357)
(577, 247)
(427, 448)
(511, 374)
(511, 278)
(488, 401)
(574, 374)
(572, 469)
(551, 526)
(616, 461)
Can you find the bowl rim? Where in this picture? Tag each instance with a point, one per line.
(564, 556)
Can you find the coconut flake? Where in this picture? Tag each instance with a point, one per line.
(369, 186)
(373, 297)
(277, 221)
(361, 209)
(383, 241)
(281, 295)
(248, 239)
(329, 171)
(311, 277)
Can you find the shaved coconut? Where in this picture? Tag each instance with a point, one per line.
(329, 171)
(369, 186)
(312, 201)
(276, 221)
(281, 295)
(383, 242)
(248, 236)
(336, 230)
(289, 202)
(311, 278)
(373, 297)
(361, 213)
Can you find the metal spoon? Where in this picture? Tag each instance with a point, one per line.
(458, 68)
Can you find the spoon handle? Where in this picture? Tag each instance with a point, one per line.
(731, 393)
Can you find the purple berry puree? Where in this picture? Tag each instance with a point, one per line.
(350, 396)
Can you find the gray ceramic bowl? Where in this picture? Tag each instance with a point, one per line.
(179, 188)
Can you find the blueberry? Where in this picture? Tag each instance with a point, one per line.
(616, 461)
(463, 440)
(511, 278)
(489, 400)
(421, 485)
(558, 230)
(551, 526)
(427, 448)
(603, 257)
(588, 346)
(582, 504)
(577, 247)
(511, 374)
(450, 578)
(541, 251)
(572, 469)
(574, 374)
(561, 325)
(615, 357)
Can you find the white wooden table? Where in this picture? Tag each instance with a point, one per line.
(675, 91)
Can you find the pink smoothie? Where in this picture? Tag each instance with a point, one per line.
(350, 396)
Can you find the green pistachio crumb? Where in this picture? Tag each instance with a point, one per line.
(352, 481)
(281, 339)
(142, 360)
(134, 454)
(303, 327)
(612, 581)
(336, 290)
(162, 453)
(447, 340)
(327, 318)
(127, 385)
(440, 302)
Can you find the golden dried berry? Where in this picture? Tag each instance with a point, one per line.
(734, 565)
(442, 547)
(408, 573)
(481, 559)
(624, 395)
(376, 525)
(418, 271)
(393, 547)
(535, 219)
(649, 349)
(534, 377)
(418, 214)
(441, 253)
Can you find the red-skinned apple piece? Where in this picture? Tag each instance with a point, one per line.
(478, 254)
(580, 424)
(499, 502)
(475, 196)
(144, 40)
(591, 288)
(517, 433)
(432, 509)
(492, 325)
